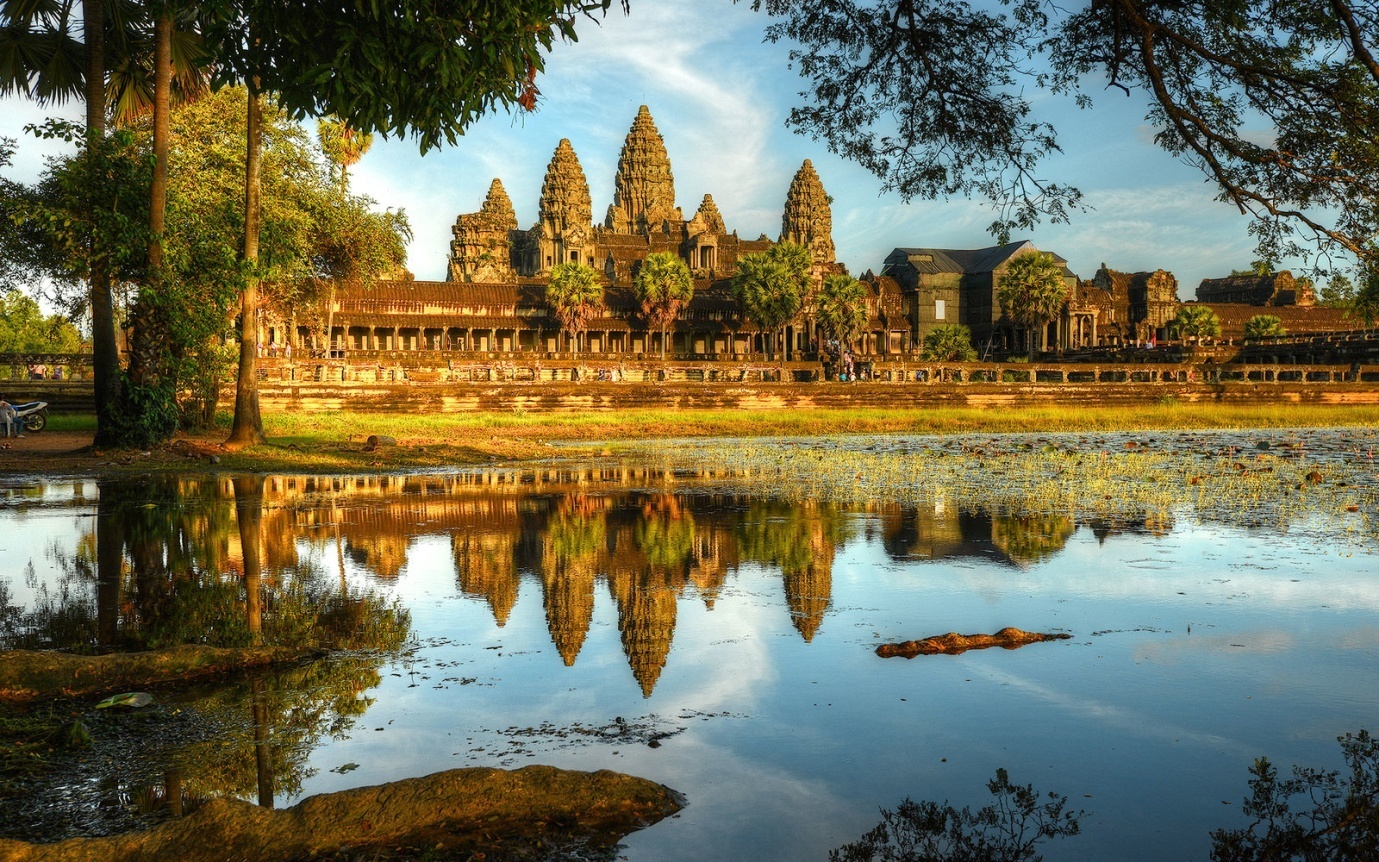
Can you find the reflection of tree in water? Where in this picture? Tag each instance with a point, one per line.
(802, 539)
(1028, 539)
(576, 537)
(184, 562)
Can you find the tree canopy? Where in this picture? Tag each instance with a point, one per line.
(939, 98)
(575, 292)
(841, 308)
(1264, 326)
(772, 284)
(24, 328)
(1195, 321)
(948, 342)
(664, 286)
(1032, 291)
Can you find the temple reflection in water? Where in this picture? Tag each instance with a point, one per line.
(648, 537)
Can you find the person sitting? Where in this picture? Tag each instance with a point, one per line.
(14, 426)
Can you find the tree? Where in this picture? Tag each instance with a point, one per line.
(1032, 291)
(25, 329)
(1338, 293)
(42, 59)
(19, 263)
(938, 98)
(1195, 322)
(1339, 820)
(343, 146)
(841, 308)
(360, 67)
(949, 342)
(575, 292)
(1365, 305)
(1258, 268)
(1008, 830)
(1264, 326)
(664, 286)
(770, 292)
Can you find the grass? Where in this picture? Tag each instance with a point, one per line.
(334, 442)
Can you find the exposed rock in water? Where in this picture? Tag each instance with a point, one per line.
(453, 810)
(29, 675)
(954, 643)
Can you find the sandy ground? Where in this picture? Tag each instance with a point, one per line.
(59, 453)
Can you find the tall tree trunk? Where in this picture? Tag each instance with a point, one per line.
(248, 423)
(149, 343)
(104, 345)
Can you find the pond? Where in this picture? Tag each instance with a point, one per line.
(706, 615)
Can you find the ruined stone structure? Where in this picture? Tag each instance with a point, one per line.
(643, 218)
(480, 250)
(1279, 288)
(808, 218)
(1127, 307)
(945, 286)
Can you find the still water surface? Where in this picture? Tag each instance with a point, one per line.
(670, 624)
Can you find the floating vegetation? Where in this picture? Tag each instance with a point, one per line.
(1324, 480)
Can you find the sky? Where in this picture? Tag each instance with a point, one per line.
(720, 97)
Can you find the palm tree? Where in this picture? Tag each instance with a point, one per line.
(768, 290)
(1195, 322)
(664, 286)
(1032, 291)
(343, 146)
(951, 342)
(841, 308)
(43, 59)
(1264, 326)
(575, 292)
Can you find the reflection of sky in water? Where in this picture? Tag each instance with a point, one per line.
(1192, 653)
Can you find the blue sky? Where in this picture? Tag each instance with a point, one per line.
(720, 97)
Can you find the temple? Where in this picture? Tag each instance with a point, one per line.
(494, 297)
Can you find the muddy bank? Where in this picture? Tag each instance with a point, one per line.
(954, 643)
(453, 811)
(26, 675)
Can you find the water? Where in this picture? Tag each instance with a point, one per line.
(678, 626)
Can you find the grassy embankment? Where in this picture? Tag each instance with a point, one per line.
(335, 441)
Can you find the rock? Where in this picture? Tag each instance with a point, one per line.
(378, 441)
(476, 808)
(954, 643)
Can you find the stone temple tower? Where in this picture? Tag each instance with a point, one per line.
(566, 231)
(644, 190)
(480, 250)
(808, 218)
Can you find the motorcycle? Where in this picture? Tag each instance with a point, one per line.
(33, 414)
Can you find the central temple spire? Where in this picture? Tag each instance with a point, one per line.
(644, 190)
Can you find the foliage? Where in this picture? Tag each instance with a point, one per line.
(841, 308)
(24, 328)
(18, 251)
(343, 147)
(1195, 321)
(772, 284)
(575, 292)
(1007, 830)
(1258, 268)
(948, 342)
(361, 67)
(146, 414)
(1264, 326)
(664, 286)
(1032, 291)
(82, 210)
(1365, 304)
(938, 98)
(1340, 820)
(1339, 292)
